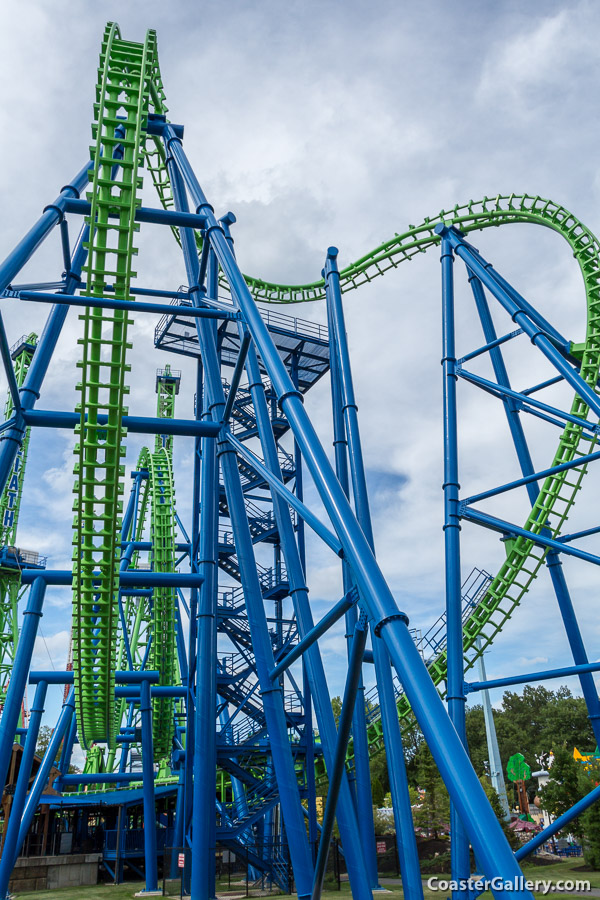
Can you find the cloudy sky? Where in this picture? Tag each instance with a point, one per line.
(324, 123)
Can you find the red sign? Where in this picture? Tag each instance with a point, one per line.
(181, 861)
(381, 847)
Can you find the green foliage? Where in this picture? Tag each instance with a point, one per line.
(568, 784)
(517, 769)
(379, 773)
(377, 791)
(591, 827)
(540, 720)
(534, 722)
(336, 705)
(433, 811)
(494, 800)
(384, 821)
(44, 736)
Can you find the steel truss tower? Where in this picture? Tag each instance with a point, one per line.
(197, 671)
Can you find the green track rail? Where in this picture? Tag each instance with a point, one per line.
(10, 501)
(133, 68)
(162, 648)
(122, 100)
(10, 506)
(137, 609)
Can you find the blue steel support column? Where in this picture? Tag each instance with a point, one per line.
(553, 561)
(362, 772)
(66, 752)
(496, 773)
(205, 748)
(190, 734)
(405, 834)
(29, 392)
(524, 318)
(11, 829)
(52, 214)
(272, 695)
(339, 761)
(299, 486)
(37, 789)
(484, 830)
(347, 820)
(312, 663)
(309, 764)
(459, 846)
(150, 862)
(20, 672)
(178, 838)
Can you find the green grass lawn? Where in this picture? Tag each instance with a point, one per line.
(568, 869)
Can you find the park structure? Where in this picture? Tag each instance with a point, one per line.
(196, 686)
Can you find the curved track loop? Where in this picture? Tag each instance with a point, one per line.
(557, 495)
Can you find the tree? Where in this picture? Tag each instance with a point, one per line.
(377, 791)
(44, 737)
(494, 800)
(591, 828)
(566, 787)
(336, 705)
(433, 813)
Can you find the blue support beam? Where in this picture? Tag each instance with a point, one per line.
(341, 747)
(483, 828)
(138, 424)
(561, 672)
(329, 619)
(272, 696)
(553, 562)
(455, 696)
(108, 303)
(11, 828)
(315, 673)
(347, 439)
(361, 772)
(22, 663)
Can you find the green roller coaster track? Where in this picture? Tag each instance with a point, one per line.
(10, 505)
(132, 70)
(162, 649)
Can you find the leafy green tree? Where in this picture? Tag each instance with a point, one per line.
(492, 796)
(434, 810)
(377, 791)
(539, 720)
(44, 736)
(566, 787)
(336, 705)
(591, 828)
(379, 771)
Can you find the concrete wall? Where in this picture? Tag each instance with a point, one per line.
(39, 873)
